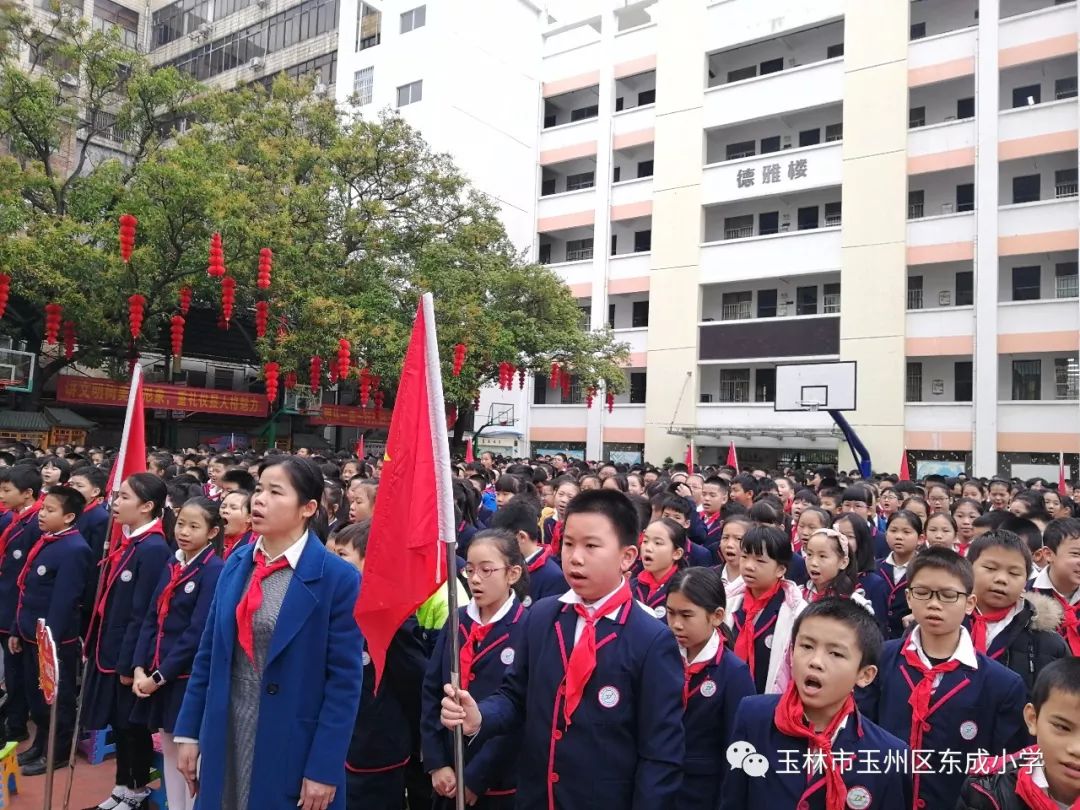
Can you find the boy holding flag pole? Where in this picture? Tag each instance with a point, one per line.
(405, 563)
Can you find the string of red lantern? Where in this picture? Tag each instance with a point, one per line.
(228, 297)
(176, 332)
(343, 359)
(589, 395)
(262, 317)
(553, 379)
(332, 373)
(127, 236)
(564, 380)
(610, 397)
(53, 315)
(266, 263)
(365, 386)
(271, 371)
(185, 299)
(5, 292)
(378, 403)
(216, 264)
(290, 381)
(521, 377)
(315, 373)
(136, 313)
(459, 358)
(69, 339)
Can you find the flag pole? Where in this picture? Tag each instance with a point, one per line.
(447, 529)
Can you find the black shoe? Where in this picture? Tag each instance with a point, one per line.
(116, 799)
(34, 768)
(29, 755)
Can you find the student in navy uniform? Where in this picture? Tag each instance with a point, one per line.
(714, 494)
(566, 489)
(729, 552)
(935, 691)
(520, 517)
(236, 515)
(131, 573)
(19, 493)
(904, 535)
(51, 587)
(861, 547)
(595, 693)
(388, 721)
(492, 636)
(170, 633)
(836, 647)
(94, 520)
(1014, 628)
(1060, 579)
(681, 510)
(763, 616)
(663, 553)
(714, 681)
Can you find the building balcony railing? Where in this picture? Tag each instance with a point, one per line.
(833, 220)
(1065, 190)
(1067, 287)
(736, 312)
(831, 303)
(582, 254)
(739, 233)
(914, 299)
(915, 211)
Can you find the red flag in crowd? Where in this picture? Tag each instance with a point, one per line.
(132, 456)
(905, 473)
(732, 459)
(690, 456)
(405, 558)
(360, 447)
(1063, 483)
(469, 457)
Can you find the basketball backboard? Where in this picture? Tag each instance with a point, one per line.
(815, 386)
(16, 370)
(302, 400)
(501, 413)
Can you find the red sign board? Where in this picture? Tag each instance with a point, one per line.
(352, 416)
(97, 391)
(48, 664)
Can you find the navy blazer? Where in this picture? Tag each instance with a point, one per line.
(546, 578)
(92, 525)
(313, 674)
(971, 709)
(54, 588)
(877, 592)
(896, 600)
(23, 535)
(764, 624)
(624, 748)
(490, 765)
(786, 783)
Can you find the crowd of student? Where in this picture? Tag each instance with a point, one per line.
(637, 637)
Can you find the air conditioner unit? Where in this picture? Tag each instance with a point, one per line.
(255, 63)
(69, 80)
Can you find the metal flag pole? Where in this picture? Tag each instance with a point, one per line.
(455, 668)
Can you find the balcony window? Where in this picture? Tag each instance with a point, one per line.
(834, 51)
(830, 299)
(833, 215)
(918, 30)
(1065, 183)
(574, 182)
(540, 384)
(965, 197)
(109, 15)
(646, 97)
(772, 66)
(645, 168)
(915, 204)
(810, 137)
(578, 250)
(642, 241)
(1025, 283)
(765, 385)
(739, 74)
(913, 383)
(734, 151)
(1065, 88)
(547, 186)
(770, 144)
(413, 19)
(915, 292)
(808, 218)
(766, 303)
(544, 256)
(1026, 188)
(735, 385)
(917, 117)
(736, 306)
(1066, 378)
(368, 26)
(640, 314)
(768, 222)
(962, 377)
(965, 108)
(364, 86)
(834, 132)
(637, 387)
(1026, 379)
(577, 394)
(611, 316)
(806, 300)
(1027, 95)
(1065, 280)
(410, 93)
(582, 113)
(965, 291)
(740, 227)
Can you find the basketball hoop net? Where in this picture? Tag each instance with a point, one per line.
(812, 405)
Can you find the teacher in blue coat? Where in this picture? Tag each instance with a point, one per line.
(276, 682)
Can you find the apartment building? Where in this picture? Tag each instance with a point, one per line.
(732, 185)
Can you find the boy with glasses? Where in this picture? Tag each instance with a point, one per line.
(936, 691)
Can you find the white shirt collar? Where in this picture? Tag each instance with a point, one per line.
(291, 554)
(898, 566)
(1043, 583)
(474, 612)
(139, 531)
(964, 653)
(708, 652)
(534, 555)
(571, 598)
(184, 561)
(993, 629)
(724, 576)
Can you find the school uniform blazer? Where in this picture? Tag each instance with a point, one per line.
(896, 604)
(547, 580)
(54, 589)
(1030, 641)
(772, 634)
(877, 591)
(23, 536)
(713, 532)
(312, 678)
(625, 745)
(698, 554)
(971, 709)
(490, 765)
(786, 784)
(92, 525)
(656, 602)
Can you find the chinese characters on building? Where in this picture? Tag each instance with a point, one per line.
(772, 173)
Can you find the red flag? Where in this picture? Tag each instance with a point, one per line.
(360, 447)
(1063, 484)
(132, 456)
(405, 558)
(469, 457)
(905, 473)
(690, 457)
(732, 459)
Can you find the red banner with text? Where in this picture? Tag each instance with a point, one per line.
(98, 391)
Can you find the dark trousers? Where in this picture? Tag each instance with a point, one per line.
(418, 785)
(68, 655)
(375, 791)
(134, 756)
(16, 711)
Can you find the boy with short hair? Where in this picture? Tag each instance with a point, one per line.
(519, 517)
(782, 744)
(743, 489)
(1060, 579)
(682, 511)
(829, 498)
(935, 690)
(94, 520)
(714, 495)
(598, 688)
(1043, 777)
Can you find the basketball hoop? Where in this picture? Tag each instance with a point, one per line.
(811, 405)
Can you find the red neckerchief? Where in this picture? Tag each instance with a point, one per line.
(647, 579)
(541, 558)
(1070, 624)
(711, 520)
(252, 599)
(980, 621)
(582, 661)
(790, 719)
(91, 505)
(469, 647)
(921, 691)
(18, 519)
(42, 541)
(1034, 796)
(814, 595)
(556, 537)
(231, 541)
(744, 643)
(690, 670)
(177, 575)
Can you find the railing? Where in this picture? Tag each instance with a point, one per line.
(734, 391)
(742, 154)
(833, 220)
(1066, 190)
(739, 233)
(831, 303)
(915, 211)
(736, 312)
(914, 123)
(914, 299)
(1067, 287)
(579, 255)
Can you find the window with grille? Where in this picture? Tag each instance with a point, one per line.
(736, 306)
(640, 314)
(735, 385)
(831, 299)
(637, 387)
(413, 19)
(765, 385)
(223, 379)
(962, 379)
(1026, 379)
(739, 227)
(575, 182)
(410, 93)
(1065, 280)
(109, 15)
(364, 86)
(1066, 378)
(579, 249)
(913, 388)
(1025, 283)
(806, 300)
(915, 292)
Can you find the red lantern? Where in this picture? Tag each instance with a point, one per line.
(136, 313)
(451, 417)
(176, 332)
(53, 315)
(221, 323)
(553, 379)
(365, 386)
(589, 395)
(216, 264)
(266, 263)
(270, 371)
(564, 380)
(5, 292)
(521, 377)
(331, 374)
(378, 403)
(315, 374)
(262, 316)
(610, 402)
(476, 402)
(185, 299)
(343, 359)
(228, 297)
(69, 339)
(290, 381)
(459, 358)
(127, 236)
(281, 330)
